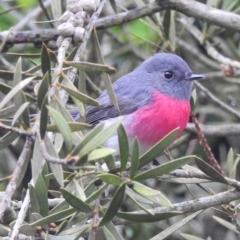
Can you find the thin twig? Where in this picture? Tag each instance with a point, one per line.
(191, 206)
(207, 149)
(12, 185)
(217, 100)
(16, 130)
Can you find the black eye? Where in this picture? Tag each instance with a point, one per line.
(168, 74)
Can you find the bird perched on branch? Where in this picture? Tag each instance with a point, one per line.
(153, 100)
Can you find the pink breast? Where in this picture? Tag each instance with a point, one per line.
(164, 113)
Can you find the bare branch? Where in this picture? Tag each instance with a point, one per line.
(12, 185)
(193, 205)
(202, 11)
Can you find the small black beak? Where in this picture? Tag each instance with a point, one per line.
(194, 77)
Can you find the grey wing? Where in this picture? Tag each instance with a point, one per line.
(107, 110)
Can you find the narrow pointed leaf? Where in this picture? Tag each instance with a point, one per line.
(19, 97)
(210, 171)
(114, 6)
(62, 126)
(41, 192)
(80, 96)
(112, 229)
(34, 199)
(91, 67)
(115, 204)
(99, 139)
(108, 234)
(7, 139)
(100, 153)
(145, 217)
(27, 230)
(19, 112)
(76, 202)
(86, 139)
(54, 217)
(56, 168)
(110, 178)
(15, 90)
(123, 146)
(44, 117)
(7, 112)
(135, 158)
(105, 77)
(167, 232)
(4, 88)
(45, 61)
(96, 194)
(164, 168)
(43, 89)
(74, 126)
(158, 148)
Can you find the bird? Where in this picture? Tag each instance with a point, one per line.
(153, 100)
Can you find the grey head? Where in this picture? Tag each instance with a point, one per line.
(167, 73)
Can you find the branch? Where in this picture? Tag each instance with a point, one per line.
(12, 185)
(201, 11)
(212, 51)
(217, 100)
(193, 205)
(216, 130)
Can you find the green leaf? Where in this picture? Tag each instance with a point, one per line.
(20, 112)
(100, 153)
(167, 232)
(158, 148)
(7, 112)
(44, 117)
(56, 168)
(91, 67)
(54, 217)
(105, 77)
(115, 204)
(19, 98)
(145, 217)
(110, 178)
(135, 158)
(226, 224)
(112, 229)
(45, 61)
(123, 146)
(76, 202)
(62, 126)
(151, 194)
(14, 91)
(108, 234)
(99, 139)
(4, 88)
(42, 194)
(7, 139)
(210, 171)
(80, 96)
(27, 230)
(164, 168)
(34, 199)
(43, 89)
(96, 194)
(87, 139)
(110, 161)
(114, 6)
(74, 126)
